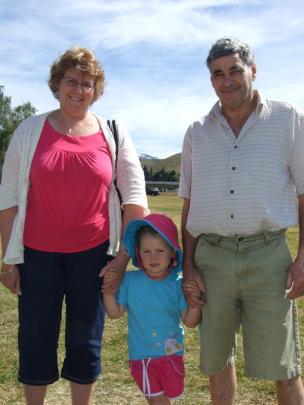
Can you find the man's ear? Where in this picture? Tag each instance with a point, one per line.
(253, 71)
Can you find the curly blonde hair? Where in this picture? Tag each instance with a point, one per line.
(81, 59)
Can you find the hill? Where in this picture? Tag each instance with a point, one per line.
(170, 163)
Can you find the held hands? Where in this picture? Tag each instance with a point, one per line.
(10, 278)
(192, 290)
(193, 285)
(113, 273)
(111, 279)
(295, 279)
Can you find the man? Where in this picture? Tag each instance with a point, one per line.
(242, 181)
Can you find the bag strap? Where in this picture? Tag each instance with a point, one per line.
(113, 127)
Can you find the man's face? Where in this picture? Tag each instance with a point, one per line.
(232, 80)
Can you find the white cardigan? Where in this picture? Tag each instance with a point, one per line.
(15, 180)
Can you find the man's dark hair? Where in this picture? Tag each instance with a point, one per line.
(230, 46)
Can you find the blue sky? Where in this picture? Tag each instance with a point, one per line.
(153, 53)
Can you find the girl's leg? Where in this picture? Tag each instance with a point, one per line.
(159, 400)
(34, 395)
(81, 393)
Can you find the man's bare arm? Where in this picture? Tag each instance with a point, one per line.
(295, 275)
(190, 272)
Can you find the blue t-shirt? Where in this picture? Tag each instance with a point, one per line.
(153, 308)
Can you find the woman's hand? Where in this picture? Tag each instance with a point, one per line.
(116, 269)
(10, 278)
(120, 262)
(9, 274)
(111, 277)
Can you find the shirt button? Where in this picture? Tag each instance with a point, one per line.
(233, 168)
(231, 216)
(235, 146)
(231, 191)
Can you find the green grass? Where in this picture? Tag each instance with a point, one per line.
(116, 387)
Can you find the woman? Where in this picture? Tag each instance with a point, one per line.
(59, 221)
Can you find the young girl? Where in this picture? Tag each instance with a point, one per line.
(153, 298)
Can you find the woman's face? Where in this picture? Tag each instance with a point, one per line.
(76, 91)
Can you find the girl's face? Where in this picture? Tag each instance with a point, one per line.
(155, 255)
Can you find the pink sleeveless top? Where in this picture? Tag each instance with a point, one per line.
(68, 198)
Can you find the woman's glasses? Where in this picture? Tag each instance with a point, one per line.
(85, 86)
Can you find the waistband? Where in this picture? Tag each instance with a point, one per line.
(161, 359)
(264, 235)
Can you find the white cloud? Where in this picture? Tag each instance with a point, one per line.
(153, 53)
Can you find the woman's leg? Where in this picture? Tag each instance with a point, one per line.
(84, 316)
(81, 393)
(39, 322)
(34, 395)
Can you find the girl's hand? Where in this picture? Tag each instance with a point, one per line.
(193, 288)
(193, 294)
(116, 269)
(111, 278)
(191, 275)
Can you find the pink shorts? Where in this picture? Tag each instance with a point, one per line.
(161, 375)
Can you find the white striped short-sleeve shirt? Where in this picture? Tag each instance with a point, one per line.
(244, 185)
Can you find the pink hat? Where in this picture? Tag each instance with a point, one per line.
(162, 224)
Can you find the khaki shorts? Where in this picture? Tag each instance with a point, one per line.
(245, 281)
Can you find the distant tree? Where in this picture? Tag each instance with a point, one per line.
(173, 176)
(156, 177)
(160, 175)
(146, 173)
(10, 118)
(163, 175)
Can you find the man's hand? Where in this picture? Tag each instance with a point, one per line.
(191, 275)
(295, 279)
(193, 291)
(10, 278)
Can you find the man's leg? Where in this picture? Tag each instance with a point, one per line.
(219, 266)
(81, 393)
(223, 386)
(270, 326)
(290, 392)
(34, 395)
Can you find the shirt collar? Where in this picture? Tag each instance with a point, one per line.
(262, 109)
